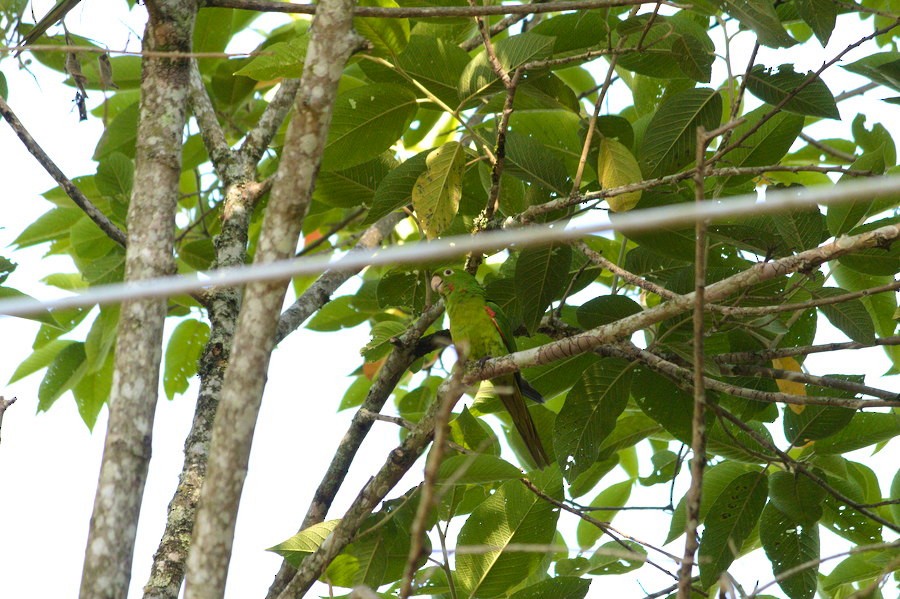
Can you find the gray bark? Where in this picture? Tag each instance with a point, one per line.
(331, 43)
(151, 223)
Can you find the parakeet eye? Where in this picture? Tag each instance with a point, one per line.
(448, 272)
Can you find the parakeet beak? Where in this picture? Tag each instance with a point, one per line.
(436, 283)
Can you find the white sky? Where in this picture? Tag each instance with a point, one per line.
(49, 462)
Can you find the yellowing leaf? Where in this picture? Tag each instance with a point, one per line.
(791, 387)
(616, 167)
(437, 191)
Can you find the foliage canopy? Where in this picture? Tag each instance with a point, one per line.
(436, 132)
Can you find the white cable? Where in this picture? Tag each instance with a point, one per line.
(640, 220)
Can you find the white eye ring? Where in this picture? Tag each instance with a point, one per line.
(448, 272)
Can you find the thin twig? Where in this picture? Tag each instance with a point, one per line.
(698, 422)
(427, 498)
(72, 190)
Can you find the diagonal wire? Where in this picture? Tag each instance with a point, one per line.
(642, 220)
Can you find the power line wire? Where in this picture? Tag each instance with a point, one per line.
(430, 251)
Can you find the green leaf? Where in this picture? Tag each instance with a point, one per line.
(614, 496)
(616, 167)
(436, 64)
(304, 542)
(279, 60)
(664, 403)
(530, 160)
(667, 42)
(766, 145)
(354, 186)
(120, 134)
(387, 36)
(115, 176)
(664, 463)
(882, 68)
(92, 391)
(379, 553)
(541, 277)
(843, 217)
(606, 309)
(380, 344)
(716, 480)
(101, 338)
(402, 289)
(557, 132)
(4, 87)
(608, 560)
(814, 99)
(512, 515)
(356, 393)
(850, 316)
(895, 492)
(182, 355)
(788, 544)
(589, 414)
(63, 373)
(476, 469)
(89, 241)
(729, 522)
(872, 139)
(881, 306)
(671, 135)
(479, 78)
(815, 422)
(39, 358)
(796, 496)
(337, 314)
(50, 226)
(576, 31)
(43, 316)
(395, 190)
(875, 261)
(561, 587)
(866, 428)
(437, 191)
(367, 121)
(471, 433)
(820, 15)
(845, 520)
(860, 566)
(760, 16)
(802, 229)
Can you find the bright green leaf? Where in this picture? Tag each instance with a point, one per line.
(437, 191)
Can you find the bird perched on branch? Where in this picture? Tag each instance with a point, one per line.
(475, 326)
(56, 14)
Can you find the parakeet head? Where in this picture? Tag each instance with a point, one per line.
(448, 280)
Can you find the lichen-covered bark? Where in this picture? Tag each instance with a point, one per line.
(331, 43)
(167, 570)
(151, 216)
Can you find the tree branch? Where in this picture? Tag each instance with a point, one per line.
(151, 223)
(390, 373)
(398, 463)
(4, 404)
(623, 329)
(75, 194)
(332, 41)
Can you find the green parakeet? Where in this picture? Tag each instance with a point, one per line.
(477, 334)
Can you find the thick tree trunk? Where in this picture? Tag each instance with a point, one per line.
(331, 43)
(151, 224)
